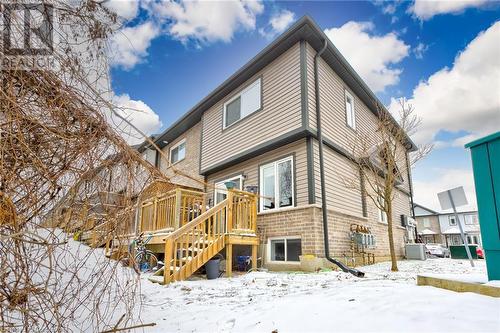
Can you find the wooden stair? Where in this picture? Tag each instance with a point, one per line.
(232, 221)
(191, 246)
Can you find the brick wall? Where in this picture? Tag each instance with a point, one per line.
(190, 165)
(306, 222)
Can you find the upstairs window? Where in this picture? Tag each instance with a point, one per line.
(427, 222)
(178, 152)
(471, 219)
(382, 215)
(452, 220)
(244, 104)
(349, 110)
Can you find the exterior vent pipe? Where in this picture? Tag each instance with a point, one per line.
(324, 207)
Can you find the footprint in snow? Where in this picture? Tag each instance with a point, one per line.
(230, 323)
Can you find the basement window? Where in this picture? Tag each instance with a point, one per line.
(243, 104)
(178, 152)
(285, 249)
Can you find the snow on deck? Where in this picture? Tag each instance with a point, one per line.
(326, 301)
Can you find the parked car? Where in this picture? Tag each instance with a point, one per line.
(480, 252)
(438, 250)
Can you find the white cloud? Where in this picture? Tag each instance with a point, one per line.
(126, 9)
(205, 21)
(130, 45)
(425, 9)
(282, 20)
(372, 56)
(139, 114)
(419, 50)
(426, 190)
(277, 23)
(464, 97)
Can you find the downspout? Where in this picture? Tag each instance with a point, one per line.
(324, 207)
(410, 185)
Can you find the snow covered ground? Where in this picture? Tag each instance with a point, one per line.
(294, 302)
(325, 301)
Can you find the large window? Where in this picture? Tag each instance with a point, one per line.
(349, 110)
(276, 184)
(178, 152)
(285, 249)
(243, 104)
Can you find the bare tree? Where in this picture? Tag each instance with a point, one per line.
(60, 138)
(382, 160)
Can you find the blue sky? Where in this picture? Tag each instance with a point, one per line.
(174, 54)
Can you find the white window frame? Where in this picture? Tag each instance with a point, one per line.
(469, 219)
(220, 187)
(382, 215)
(250, 86)
(450, 217)
(183, 141)
(352, 116)
(276, 184)
(284, 238)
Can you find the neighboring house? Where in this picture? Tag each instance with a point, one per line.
(259, 130)
(428, 228)
(434, 227)
(451, 231)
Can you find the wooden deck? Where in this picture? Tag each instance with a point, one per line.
(188, 233)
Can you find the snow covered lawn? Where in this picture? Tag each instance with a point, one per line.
(326, 301)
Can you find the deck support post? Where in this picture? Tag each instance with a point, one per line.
(229, 260)
(254, 257)
(168, 261)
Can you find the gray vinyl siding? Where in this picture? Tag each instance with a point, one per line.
(280, 112)
(311, 99)
(333, 113)
(338, 172)
(250, 169)
(400, 206)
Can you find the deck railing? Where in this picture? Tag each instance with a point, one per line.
(196, 242)
(242, 213)
(171, 210)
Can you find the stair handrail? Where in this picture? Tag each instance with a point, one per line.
(171, 255)
(190, 225)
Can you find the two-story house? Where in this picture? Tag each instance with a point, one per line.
(443, 228)
(259, 129)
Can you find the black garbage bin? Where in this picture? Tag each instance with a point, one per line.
(212, 268)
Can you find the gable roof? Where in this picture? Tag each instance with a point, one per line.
(431, 212)
(304, 29)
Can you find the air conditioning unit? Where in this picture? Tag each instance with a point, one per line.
(415, 251)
